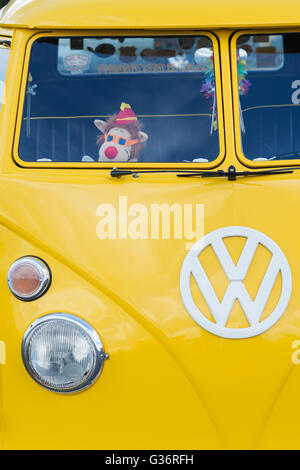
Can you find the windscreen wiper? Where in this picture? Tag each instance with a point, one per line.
(231, 173)
(286, 155)
(5, 44)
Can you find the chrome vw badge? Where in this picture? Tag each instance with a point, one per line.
(236, 290)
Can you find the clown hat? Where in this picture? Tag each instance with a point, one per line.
(126, 115)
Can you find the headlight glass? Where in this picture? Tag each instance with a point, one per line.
(62, 352)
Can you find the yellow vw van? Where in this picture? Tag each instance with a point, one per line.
(149, 238)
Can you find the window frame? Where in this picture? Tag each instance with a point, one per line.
(100, 165)
(236, 113)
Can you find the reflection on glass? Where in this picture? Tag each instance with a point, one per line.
(4, 54)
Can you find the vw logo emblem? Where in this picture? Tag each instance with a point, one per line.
(236, 290)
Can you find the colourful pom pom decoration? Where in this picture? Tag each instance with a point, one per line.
(208, 87)
(244, 83)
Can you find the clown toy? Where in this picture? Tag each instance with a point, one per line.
(122, 138)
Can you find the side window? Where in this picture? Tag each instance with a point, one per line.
(268, 79)
(4, 54)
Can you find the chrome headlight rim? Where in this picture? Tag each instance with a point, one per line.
(45, 275)
(99, 354)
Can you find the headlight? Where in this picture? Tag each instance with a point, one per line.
(28, 278)
(62, 353)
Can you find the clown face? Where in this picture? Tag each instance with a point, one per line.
(117, 146)
(118, 143)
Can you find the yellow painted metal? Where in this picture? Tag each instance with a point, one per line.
(151, 14)
(168, 384)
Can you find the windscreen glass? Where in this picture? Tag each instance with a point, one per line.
(120, 99)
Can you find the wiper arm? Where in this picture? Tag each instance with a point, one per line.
(286, 155)
(231, 173)
(116, 173)
(5, 44)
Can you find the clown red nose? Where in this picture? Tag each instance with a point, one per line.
(111, 152)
